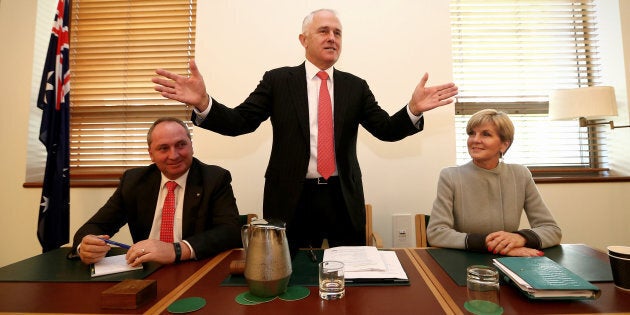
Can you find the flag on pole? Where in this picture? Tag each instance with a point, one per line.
(53, 227)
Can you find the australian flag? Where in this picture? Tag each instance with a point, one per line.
(53, 227)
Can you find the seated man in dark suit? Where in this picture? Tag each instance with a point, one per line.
(177, 208)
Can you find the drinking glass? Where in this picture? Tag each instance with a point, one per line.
(331, 280)
(482, 284)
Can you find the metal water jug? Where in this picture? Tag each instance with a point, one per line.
(267, 259)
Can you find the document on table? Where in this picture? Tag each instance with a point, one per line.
(112, 264)
(367, 262)
(356, 258)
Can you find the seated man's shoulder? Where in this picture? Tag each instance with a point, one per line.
(212, 171)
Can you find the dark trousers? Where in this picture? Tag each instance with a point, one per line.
(321, 214)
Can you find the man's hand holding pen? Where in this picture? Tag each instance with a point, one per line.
(93, 248)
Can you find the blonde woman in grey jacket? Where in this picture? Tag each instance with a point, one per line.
(479, 204)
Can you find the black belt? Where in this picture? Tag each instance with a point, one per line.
(321, 180)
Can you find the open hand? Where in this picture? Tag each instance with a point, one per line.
(427, 98)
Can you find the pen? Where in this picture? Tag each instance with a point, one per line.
(116, 243)
(312, 254)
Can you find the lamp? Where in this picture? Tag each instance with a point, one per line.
(593, 102)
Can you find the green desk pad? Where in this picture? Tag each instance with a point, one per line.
(53, 266)
(455, 261)
(305, 273)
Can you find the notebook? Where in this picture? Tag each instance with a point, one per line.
(543, 278)
(112, 264)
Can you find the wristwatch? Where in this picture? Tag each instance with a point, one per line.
(178, 252)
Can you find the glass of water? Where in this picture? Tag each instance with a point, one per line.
(482, 284)
(331, 280)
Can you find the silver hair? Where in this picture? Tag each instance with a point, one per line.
(309, 18)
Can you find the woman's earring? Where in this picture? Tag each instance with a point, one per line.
(501, 156)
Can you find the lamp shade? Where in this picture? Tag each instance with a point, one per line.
(588, 102)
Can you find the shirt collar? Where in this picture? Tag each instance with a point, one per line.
(312, 70)
(181, 181)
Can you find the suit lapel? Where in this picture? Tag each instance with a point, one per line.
(341, 102)
(296, 84)
(192, 197)
(146, 206)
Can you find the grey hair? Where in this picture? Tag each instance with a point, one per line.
(163, 119)
(309, 18)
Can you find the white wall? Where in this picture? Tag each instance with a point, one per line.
(390, 44)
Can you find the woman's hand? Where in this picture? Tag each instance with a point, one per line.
(524, 252)
(502, 242)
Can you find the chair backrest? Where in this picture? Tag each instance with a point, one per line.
(371, 238)
(422, 220)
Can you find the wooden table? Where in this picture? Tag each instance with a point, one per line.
(431, 291)
(419, 297)
(611, 301)
(85, 297)
(204, 278)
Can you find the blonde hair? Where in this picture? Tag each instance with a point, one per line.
(498, 118)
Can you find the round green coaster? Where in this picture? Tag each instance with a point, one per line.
(187, 305)
(240, 299)
(254, 298)
(481, 307)
(295, 293)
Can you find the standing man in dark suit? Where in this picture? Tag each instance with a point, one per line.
(314, 205)
(204, 217)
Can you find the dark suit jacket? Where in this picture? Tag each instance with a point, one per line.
(210, 216)
(282, 96)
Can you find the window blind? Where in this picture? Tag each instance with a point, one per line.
(116, 45)
(509, 55)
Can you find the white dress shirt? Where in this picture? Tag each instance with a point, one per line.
(179, 210)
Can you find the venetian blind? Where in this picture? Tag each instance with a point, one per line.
(116, 45)
(509, 55)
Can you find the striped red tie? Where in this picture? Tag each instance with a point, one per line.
(325, 139)
(168, 214)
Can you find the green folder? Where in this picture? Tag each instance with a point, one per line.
(53, 266)
(571, 256)
(543, 278)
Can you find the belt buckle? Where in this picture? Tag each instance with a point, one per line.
(321, 181)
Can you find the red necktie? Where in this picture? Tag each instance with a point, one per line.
(325, 139)
(168, 214)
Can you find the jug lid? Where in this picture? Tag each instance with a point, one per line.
(269, 224)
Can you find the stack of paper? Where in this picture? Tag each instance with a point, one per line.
(367, 264)
(112, 264)
(543, 278)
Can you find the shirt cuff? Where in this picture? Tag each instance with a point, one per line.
(192, 251)
(415, 120)
(200, 116)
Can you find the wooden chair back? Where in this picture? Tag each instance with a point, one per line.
(422, 221)
(371, 238)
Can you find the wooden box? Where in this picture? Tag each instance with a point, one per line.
(129, 294)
